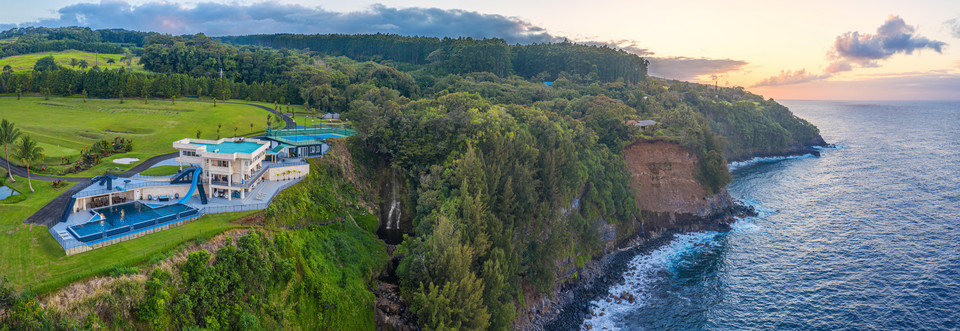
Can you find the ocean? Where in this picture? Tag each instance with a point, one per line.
(864, 237)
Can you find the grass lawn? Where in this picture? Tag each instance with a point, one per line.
(25, 62)
(64, 126)
(32, 259)
(161, 170)
(284, 107)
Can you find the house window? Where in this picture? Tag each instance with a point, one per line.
(220, 163)
(188, 153)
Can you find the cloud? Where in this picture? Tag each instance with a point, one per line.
(688, 69)
(838, 66)
(790, 78)
(916, 86)
(629, 46)
(218, 19)
(866, 50)
(222, 19)
(954, 26)
(675, 67)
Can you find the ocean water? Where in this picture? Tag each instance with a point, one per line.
(865, 237)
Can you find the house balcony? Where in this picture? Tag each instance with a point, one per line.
(245, 184)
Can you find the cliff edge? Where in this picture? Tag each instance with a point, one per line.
(663, 178)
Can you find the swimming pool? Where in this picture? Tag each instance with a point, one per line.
(6, 192)
(322, 136)
(231, 147)
(119, 219)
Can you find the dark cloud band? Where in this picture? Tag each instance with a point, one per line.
(218, 19)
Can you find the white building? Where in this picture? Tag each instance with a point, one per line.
(232, 167)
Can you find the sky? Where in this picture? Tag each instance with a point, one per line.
(814, 49)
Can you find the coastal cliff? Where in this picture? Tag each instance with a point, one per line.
(663, 181)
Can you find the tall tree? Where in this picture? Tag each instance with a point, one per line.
(28, 152)
(8, 135)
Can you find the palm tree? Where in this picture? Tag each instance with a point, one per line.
(8, 135)
(28, 151)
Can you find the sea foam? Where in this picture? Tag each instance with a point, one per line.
(644, 269)
(642, 272)
(757, 160)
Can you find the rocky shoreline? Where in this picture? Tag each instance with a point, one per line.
(598, 276)
(812, 148)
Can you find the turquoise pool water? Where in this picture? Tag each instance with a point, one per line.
(6, 192)
(128, 217)
(232, 147)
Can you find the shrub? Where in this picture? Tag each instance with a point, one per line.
(118, 270)
(14, 199)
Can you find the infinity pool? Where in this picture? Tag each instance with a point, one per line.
(119, 219)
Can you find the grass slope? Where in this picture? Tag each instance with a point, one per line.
(25, 62)
(32, 258)
(161, 170)
(64, 126)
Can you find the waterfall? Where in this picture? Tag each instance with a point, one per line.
(394, 203)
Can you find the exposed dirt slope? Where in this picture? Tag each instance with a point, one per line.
(664, 179)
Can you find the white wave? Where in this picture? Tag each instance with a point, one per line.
(831, 147)
(642, 272)
(748, 224)
(737, 165)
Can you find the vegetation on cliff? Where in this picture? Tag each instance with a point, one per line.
(507, 178)
(311, 267)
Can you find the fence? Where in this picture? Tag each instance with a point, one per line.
(309, 131)
(142, 177)
(252, 206)
(128, 187)
(76, 244)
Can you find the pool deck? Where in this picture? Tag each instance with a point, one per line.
(257, 199)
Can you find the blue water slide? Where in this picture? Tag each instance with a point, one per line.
(193, 186)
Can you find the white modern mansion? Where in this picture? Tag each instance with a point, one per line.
(232, 167)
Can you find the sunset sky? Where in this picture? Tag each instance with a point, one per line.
(851, 50)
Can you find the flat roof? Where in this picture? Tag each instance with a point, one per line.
(277, 149)
(120, 184)
(229, 147)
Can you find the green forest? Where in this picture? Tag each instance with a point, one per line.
(509, 157)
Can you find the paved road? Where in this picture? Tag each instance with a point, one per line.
(50, 214)
(20, 171)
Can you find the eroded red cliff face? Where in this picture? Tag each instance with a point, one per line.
(663, 178)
